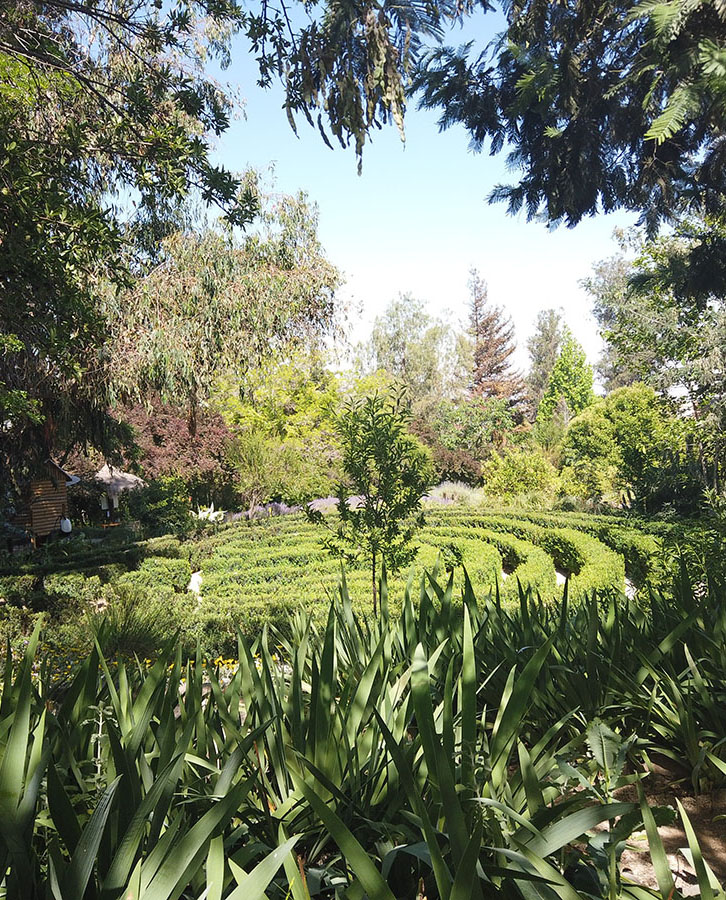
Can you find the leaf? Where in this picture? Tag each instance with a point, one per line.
(706, 881)
(657, 850)
(252, 886)
(357, 858)
(604, 745)
(78, 873)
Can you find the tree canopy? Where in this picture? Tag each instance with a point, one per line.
(603, 105)
(424, 356)
(669, 332)
(216, 304)
(543, 346)
(570, 385)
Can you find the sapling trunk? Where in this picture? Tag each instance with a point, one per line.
(373, 579)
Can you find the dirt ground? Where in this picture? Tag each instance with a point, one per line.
(707, 813)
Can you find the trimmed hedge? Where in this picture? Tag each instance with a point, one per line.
(258, 572)
(640, 550)
(529, 566)
(590, 565)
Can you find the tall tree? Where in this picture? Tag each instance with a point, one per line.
(570, 385)
(425, 356)
(217, 304)
(669, 329)
(544, 347)
(100, 104)
(492, 334)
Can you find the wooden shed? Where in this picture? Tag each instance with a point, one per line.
(46, 502)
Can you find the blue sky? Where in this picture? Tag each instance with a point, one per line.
(417, 219)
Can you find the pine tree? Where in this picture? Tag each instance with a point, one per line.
(492, 334)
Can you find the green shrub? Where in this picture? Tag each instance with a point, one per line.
(161, 506)
(518, 470)
(18, 589)
(159, 572)
(140, 621)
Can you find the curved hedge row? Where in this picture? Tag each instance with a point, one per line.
(523, 563)
(291, 566)
(257, 572)
(639, 549)
(590, 565)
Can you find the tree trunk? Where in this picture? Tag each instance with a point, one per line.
(375, 594)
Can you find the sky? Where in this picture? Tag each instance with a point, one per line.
(417, 219)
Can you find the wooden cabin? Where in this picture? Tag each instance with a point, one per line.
(46, 502)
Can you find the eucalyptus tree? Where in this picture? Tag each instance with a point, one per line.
(217, 304)
(425, 356)
(543, 346)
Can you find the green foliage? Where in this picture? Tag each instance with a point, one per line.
(543, 347)
(602, 107)
(425, 357)
(663, 318)
(389, 470)
(628, 448)
(518, 470)
(570, 384)
(589, 564)
(474, 425)
(283, 415)
(106, 119)
(161, 506)
(464, 433)
(136, 780)
(221, 305)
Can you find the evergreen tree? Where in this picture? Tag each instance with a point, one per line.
(544, 347)
(570, 385)
(492, 334)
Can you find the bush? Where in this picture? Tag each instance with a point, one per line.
(518, 470)
(140, 621)
(159, 572)
(162, 506)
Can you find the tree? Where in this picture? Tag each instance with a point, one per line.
(608, 286)
(667, 328)
(570, 385)
(283, 418)
(519, 470)
(389, 470)
(164, 446)
(543, 346)
(629, 447)
(492, 334)
(460, 435)
(105, 123)
(425, 357)
(216, 304)
(603, 105)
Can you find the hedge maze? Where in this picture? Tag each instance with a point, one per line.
(256, 573)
